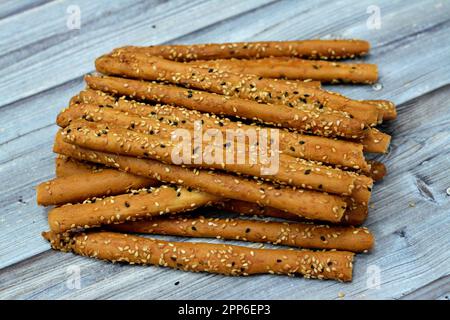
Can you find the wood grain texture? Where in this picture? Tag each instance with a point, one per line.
(42, 63)
(43, 46)
(438, 290)
(9, 8)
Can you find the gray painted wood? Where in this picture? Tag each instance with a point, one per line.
(438, 289)
(41, 67)
(51, 54)
(10, 8)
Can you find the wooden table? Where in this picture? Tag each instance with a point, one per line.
(42, 64)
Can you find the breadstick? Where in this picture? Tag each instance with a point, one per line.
(91, 96)
(355, 214)
(248, 208)
(378, 170)
(296, 69)
(65, 167)
(363, 189)
(206, 257)
(376, 141)
(306, 82)
(292, 171)
(309, 204)
(340, 153)
(77, 188)
(302, 235)
(244, 86)
(127, 207)
(320, 123)
(387, 108)
(312, 49)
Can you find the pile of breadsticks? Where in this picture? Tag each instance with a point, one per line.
(117, 177)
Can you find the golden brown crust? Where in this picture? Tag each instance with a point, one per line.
(292, 94)
(387, 108)
(312, 49)
(377, 170)
(302, 235)
(296, 69)
(207, 257)
(58, 241)
(127, 207)
(320, 122)
(79, 187)
(352, 216)
(363, 189)
(65, 166)
(356, 214)
(376, 141)
(310, 204)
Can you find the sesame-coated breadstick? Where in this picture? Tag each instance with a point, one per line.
(354, 215)
(377, 170)
(302, 235)
(77, 188)
(309, 204)
(363, 189)
(296, 69)
(248, 208)
(127, 207)
(292, 171)
(163, 120)
(337, 152)
(386, 107)
(376, 141)
(293, 94)
(320, 122)
(206, 257)
(312, 49)
(65, 167)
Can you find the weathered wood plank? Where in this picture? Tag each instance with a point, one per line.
(436, 290)
(263, 24)
(11, 7)
(43, 46)
(41, 112)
